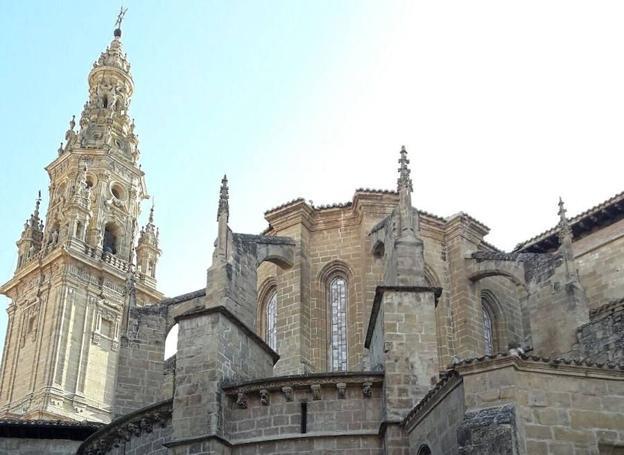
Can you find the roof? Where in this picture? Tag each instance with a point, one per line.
(47, 429)
(584, 223)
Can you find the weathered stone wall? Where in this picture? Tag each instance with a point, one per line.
(559, 408)
(29, 446)
(436, 424)
(147, 442)
(140, 372)
(343, 415)
(599, 258)
(336, 240)
(489, 431)
(602, 339)
(407, 346)
(212, 346)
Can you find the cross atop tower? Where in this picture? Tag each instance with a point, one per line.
(120, 18)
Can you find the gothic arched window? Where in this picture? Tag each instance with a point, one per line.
(488, 329)
(337, 299)
(270, 318)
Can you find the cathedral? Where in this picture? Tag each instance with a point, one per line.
(363, 327)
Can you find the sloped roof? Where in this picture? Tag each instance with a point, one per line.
(600, 215)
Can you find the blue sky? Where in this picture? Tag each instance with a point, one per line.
(503, 107)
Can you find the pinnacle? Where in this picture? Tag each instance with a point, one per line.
(404, 181)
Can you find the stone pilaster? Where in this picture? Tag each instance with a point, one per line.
(461, 242)
(402, 341)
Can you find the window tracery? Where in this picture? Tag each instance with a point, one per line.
(337, 299)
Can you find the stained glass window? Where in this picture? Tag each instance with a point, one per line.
(271, 321)
(488, 332)
(337, 294)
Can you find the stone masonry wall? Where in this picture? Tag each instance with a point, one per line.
(602, 339)
(212, 347)
(28, 446)
(559, 408)
(341, 417)
(147, 443)
(437, 426)
(140, 371)
(599, 258)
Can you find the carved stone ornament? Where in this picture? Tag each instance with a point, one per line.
(265, 399)
(316, 391)
(288, 393)
(342, 390)
(117, 434)
(367, 389)
(241, 400)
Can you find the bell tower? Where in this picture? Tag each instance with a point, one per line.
(76, 273)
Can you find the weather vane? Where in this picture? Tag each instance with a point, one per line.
(120, 17)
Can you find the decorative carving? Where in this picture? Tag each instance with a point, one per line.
(367, 389)
(342, 390)
(119, 432)
(265, 399)
(241, 400)
(316, 391)
(288, 393)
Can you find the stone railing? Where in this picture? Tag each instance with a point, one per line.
(126, 427)
(115, 261)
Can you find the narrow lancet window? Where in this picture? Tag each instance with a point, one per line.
(337, 296)
(488, 331)
(271, 321)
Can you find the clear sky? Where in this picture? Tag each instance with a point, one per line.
(503, 106)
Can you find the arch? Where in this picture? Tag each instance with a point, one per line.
(494, 321)
(112, 238)
(499, 268)
(330, 271)
(431, 277)
(424, 450)
(171, 342)
(265, 290)
(280, 254)
(333, 267)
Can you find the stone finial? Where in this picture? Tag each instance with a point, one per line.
(60, 149)
(404, 181)
(72, 123)
(151, 215)
(37, 205)
(224, 206)
(565, 231)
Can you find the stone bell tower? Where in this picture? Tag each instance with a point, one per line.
(76, 276)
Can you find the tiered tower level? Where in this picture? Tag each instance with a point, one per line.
(78, 272)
